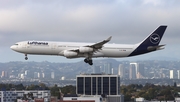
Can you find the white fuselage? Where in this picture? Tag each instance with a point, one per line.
(57, 48)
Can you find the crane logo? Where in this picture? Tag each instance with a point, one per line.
(154, 38)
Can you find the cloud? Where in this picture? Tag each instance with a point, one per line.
(65, 18)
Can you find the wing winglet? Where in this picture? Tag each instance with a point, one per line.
(108, 39)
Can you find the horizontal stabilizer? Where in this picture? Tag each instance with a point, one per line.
(152, 48)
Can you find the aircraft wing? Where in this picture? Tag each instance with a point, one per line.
(95, 46)
(99, 45)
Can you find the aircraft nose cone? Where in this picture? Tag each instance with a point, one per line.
(12, 47)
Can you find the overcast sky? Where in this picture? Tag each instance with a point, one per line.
(127, 21)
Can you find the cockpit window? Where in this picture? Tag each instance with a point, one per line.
(15, 44)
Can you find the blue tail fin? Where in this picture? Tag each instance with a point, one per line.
(152, 40)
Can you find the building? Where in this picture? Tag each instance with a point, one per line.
(172, 74)
(132, 71)
(121, 71)
(22, 76)
(178, 74)
(26, 73)
(140, 71)
(115, 98)
(11, 96)
(43, 75)
(97, 98)
(107, 68)
(38, 75)
(140, 99)
(98, 84)
(63, 78)
(8, 96)
(136, 71)
(112, 71)
(104, 86)
(4, 74)
(83, 99)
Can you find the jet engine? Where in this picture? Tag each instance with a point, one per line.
(70, 54)
(85, 49)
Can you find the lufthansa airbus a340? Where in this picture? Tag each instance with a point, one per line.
(91, 50)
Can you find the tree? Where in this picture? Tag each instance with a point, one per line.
(43, 86)
(69, 89)
(33, 87)
(55, 91)
(152, 93)
(127, 97)
(19, 87)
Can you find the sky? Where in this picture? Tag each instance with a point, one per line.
(127, 21)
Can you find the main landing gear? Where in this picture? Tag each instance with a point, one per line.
(26, 58)
(89, 61)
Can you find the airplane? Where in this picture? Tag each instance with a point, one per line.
(91, 50)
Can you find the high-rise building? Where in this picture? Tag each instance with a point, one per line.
(94, 84)
(43, 75)
(121, 71)
(112, 71)
(26, 72)
(172, 74)
(140, 71)
(137, 69)
(38, 75)
(4, 74)
(107, 68)
(132, 71)
(178, 74)
(22, 76)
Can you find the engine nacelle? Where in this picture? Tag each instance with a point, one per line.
(85, 49)
(70, 54)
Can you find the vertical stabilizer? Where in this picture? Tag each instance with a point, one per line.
(152, 40)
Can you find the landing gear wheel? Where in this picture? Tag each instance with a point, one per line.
(85, 60)
(26, 58)
(88, 61)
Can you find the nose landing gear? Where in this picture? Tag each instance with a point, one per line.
(26, 58)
